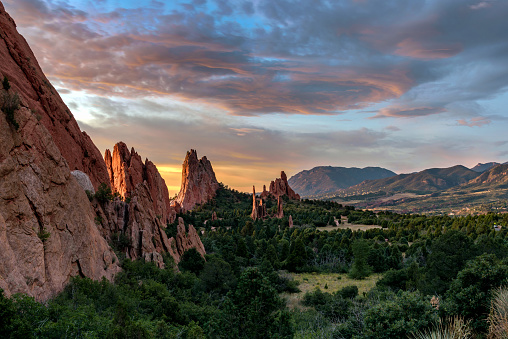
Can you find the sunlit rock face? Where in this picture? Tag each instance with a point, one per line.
(126, 171)
(18, 64)
(199, 184)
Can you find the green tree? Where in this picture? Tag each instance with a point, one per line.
(241, 249)
(360, 268)
(297, 257)
(255, 310)
(103, 194)
(398, 316)
(217, 275)
(191, 261)
(5, 83)
(449, 254)
(7, 315)
(471, 292)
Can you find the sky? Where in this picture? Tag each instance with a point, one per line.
(262, 86)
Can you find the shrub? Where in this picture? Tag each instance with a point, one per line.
(9, 102)
(6, 84)
(454, 328)
(397, 317)
(348, 292)
(192, 261)
(103, 194)
(43, 235)
(498, 318)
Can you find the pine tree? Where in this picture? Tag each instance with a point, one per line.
(360, 269)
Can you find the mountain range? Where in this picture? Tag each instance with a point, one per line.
(327, 179)
(435, 189)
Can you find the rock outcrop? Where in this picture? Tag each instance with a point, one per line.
(280, 210)
(290, 221)
(187, 240)
(47, 228)
(83, 181)
(199, 184)
(258, 208)
(127, 171)
(280, 187)
(142, 215)
(26, 78)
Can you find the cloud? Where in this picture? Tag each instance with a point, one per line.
(166, 77)
(474, 122)
(392, 128)
(407, 112)
(269, 57)
(420, 50)
(480, 5)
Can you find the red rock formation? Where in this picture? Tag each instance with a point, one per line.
(281, 187)
(265, 194)
(258, 208)
(26, 78)
(199, 184)
(214, 216)
(280, 210)
(127, 171)
(290, 222)
(144, 228)
(47, 228)
(187, 240)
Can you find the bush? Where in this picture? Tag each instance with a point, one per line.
(348, 292)
(9, 103)
(103, 194)
(6, 84)
(397, 317)
(192, 261)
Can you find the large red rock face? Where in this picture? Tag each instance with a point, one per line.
(18, 63)
(127, 171)
(199, 184)
(47, 228)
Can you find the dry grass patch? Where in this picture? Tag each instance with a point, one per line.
(353, 227)
(334, 281)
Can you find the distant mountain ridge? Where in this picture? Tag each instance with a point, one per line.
(429, 180)
(454, 190)
(484, 167)
(327, 179)
(496, 176)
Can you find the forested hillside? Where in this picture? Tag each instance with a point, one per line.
(431, 268)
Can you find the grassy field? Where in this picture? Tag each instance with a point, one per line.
(353, 227)
(334, 281)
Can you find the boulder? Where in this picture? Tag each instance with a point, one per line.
(83, 181)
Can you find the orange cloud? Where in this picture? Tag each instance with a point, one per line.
(420, 50)
(474, 122)
(407, 112)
